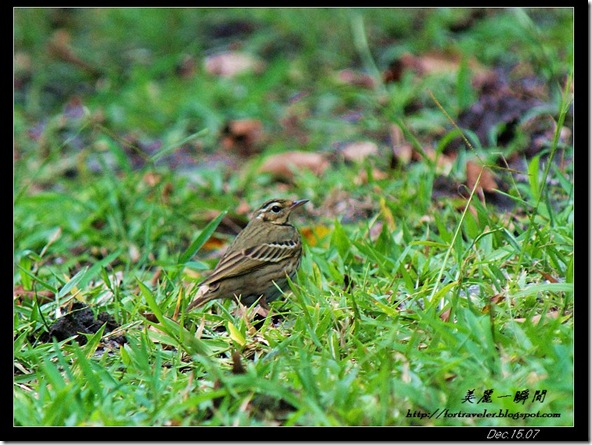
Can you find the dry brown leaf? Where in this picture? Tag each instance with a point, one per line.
(483, 79)
(548, 277)
(444, 161)
(282, 165)
(428, 63)
(402, 149)
(403, 153)
(496, 299)
(243, 208)
(156, 276)
(362, 177)
(313, 234)
(243, 136)
(436, 62)
(375, 230)
(150, 317)
(214, 243)
(232, 63)
(341, 204)
(151, 178)
(445, 316)
(358, 151)
(44, 296)
(396, 135)
(537, 318)
(356, 78)
(486, 182)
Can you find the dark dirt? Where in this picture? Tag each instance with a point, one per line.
(79, 321)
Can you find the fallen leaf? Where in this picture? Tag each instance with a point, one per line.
(356, 78)
(283, 165)
(150, 317)
(375, 230)
(214, 243)
(445, 316)
(486, 182)
(151, 179)
(496, 299)
(537, 318)
(358, 151)
(339, 204)
(243, 136)
(232, 63)
(156, 276)
(362, 177)
(428, 63)
(402, 149)
(44, 296)
(402, 154)
(548, 277)
(444, 161)
(503, 102)
(314, 234)
(438, 62)
(243, 208)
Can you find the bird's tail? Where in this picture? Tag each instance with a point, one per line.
(201, 298)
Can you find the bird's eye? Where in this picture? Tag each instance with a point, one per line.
(276, 209)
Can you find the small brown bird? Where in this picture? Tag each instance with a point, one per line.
(257, 263)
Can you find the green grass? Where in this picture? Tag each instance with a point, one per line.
(403, 306)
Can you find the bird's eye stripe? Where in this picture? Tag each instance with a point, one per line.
(271, 205)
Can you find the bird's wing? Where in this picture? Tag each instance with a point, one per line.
(249, 259)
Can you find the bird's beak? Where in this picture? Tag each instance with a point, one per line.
(298, 203)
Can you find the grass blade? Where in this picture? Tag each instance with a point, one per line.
(205, 234)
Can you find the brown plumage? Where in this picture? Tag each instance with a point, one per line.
(257, 263)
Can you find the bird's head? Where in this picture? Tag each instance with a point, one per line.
(277, 211)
